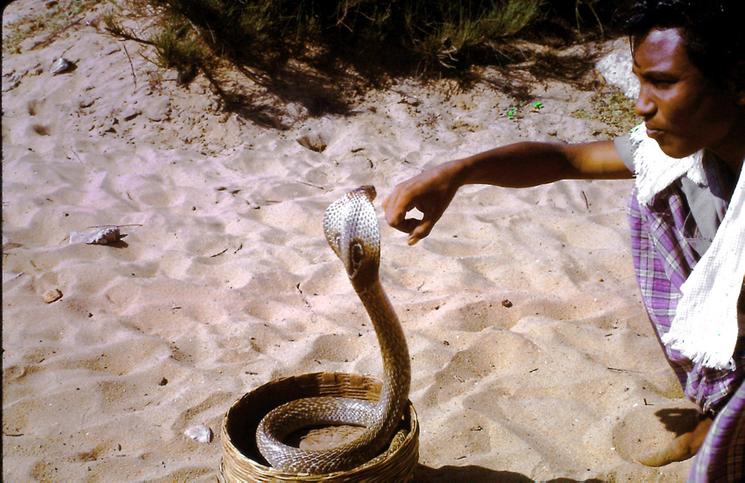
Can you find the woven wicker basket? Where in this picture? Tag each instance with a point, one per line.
(241, 460)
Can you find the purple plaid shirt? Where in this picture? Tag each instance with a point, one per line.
(663, 255)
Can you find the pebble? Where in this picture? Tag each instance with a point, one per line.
(312, 142)
(52, 295)
(85, 102)
(200, 433)
(131, 113)
(13, 82)
(62, 65)
(102, 236)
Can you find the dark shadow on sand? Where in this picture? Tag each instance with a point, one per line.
(333, 82)
(472, 474)
(678, 420)
(118, 244)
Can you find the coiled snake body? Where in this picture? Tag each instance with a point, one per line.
(351, 229)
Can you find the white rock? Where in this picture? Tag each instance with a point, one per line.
(52, 295)
(62, 65)
(103, 236)
(200, 433)
(615, 67)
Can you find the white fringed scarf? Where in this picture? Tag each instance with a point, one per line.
(705, 326)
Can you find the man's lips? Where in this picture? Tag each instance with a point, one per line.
(654, 133)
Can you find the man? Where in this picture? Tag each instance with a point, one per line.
(687, 158)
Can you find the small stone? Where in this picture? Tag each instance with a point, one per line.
(85, 102)
(53, 295)
(12, 83)
(103, 236)
(163, 382)
(312, 142)
(506, 303)
(61, 66)
(131, 113)
(200, 433)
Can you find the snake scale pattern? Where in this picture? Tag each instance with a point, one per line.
(350, 226)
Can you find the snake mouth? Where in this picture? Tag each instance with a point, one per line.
(355, 254)
(368, 190)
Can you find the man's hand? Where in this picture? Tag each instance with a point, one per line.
(430, 192)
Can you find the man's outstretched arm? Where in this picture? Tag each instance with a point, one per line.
(515, 166)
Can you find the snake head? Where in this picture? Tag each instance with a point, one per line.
(368, 191)
(350, 225)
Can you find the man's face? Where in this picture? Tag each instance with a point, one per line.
(683, 111)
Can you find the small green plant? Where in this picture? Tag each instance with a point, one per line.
(537, 105)
(177, 44)
(511, 113)
(178, 47)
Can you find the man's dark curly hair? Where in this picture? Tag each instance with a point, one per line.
(713, 32)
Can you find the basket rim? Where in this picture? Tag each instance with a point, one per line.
(412, 434)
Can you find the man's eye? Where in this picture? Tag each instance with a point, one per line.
(662, 82)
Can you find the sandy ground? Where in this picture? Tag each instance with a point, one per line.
(532, 357)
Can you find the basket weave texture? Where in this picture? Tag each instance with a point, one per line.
(241, 460)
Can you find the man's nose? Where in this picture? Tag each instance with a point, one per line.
(644, 105)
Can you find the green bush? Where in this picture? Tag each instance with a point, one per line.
(435, 34)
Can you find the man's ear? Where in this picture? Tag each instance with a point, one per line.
(738, 93)
(739, 83)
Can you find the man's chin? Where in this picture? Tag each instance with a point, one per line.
(673, 150)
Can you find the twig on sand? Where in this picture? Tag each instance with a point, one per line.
(123, 34)
(131, 67)
(587, 202)
(616, 369)
(218, 253)
(18, 275)
(312, 185)
(110, 226)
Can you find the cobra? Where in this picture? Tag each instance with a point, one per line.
(350, 226)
